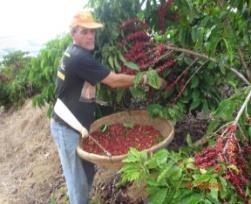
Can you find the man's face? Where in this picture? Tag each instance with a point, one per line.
(85, 38)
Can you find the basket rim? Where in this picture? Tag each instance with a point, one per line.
(97, 157)
(119, 157)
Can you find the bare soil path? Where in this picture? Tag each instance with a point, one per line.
(29, 166)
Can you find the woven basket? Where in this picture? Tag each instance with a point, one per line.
(138, 117)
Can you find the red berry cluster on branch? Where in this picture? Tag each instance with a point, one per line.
(139, 48)
(228, 151)
(162, 13)
(137, 36)
(132, 25)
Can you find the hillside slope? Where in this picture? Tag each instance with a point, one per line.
(29, 166)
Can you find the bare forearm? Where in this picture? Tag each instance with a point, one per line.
(124, 80)
(118, 80)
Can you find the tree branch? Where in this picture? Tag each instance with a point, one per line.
(184, 87)
(190, 52)
(244, 64)
(205, 138)
(242, 108)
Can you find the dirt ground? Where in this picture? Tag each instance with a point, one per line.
(30, 171)
(29, 166)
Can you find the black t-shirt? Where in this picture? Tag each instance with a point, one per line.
(77, 76)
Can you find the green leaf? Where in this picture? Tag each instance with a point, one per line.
(203, 171)
(121, 57)
(222, 66)
(195, 104)
(184, 32)
(205, 106)
(128, 124)
(234, 168)
(200, 179)
(152, 183)
(134, 175)
(195, 82)
(110, 61)
(212, 126)
(199, 34)
(131, 65)
(133, 156)
(117, 65)
(249, 132)
(158, 197)
(153, 79)
(163, 173)
(155, 110)
(189, 163)
(138, 92)
(213, 196)
(189, 140)
(223, 188)
(175, 173)
(158, 159)
(138, 78)
(196, 95)
(104, 128)
(192, 198)
(214, 189)
(211, 65)
(174, 112)
(226, 110)
(206, 201)
(209, 31)
(212, 45)
(194, 33)
(119, 95)
(229, 49)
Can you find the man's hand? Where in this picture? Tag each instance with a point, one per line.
(84, 133)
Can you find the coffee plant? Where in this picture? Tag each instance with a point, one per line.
(219, 173)
(205, 64)
(25, 77)
(14, 89)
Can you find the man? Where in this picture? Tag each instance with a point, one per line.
(75, 88)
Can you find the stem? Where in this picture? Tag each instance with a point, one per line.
(220, 128)
(242, 134)
(244, 64)
(183, 73)
(196, 71)
(183, 88)
(242, 108)
(240, 75)
(204, 139)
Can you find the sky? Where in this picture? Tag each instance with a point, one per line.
(28, 24)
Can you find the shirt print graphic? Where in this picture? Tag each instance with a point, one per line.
(88, 93)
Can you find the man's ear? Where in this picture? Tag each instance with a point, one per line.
(73, 30)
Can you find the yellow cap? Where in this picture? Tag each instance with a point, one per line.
(86, 20)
